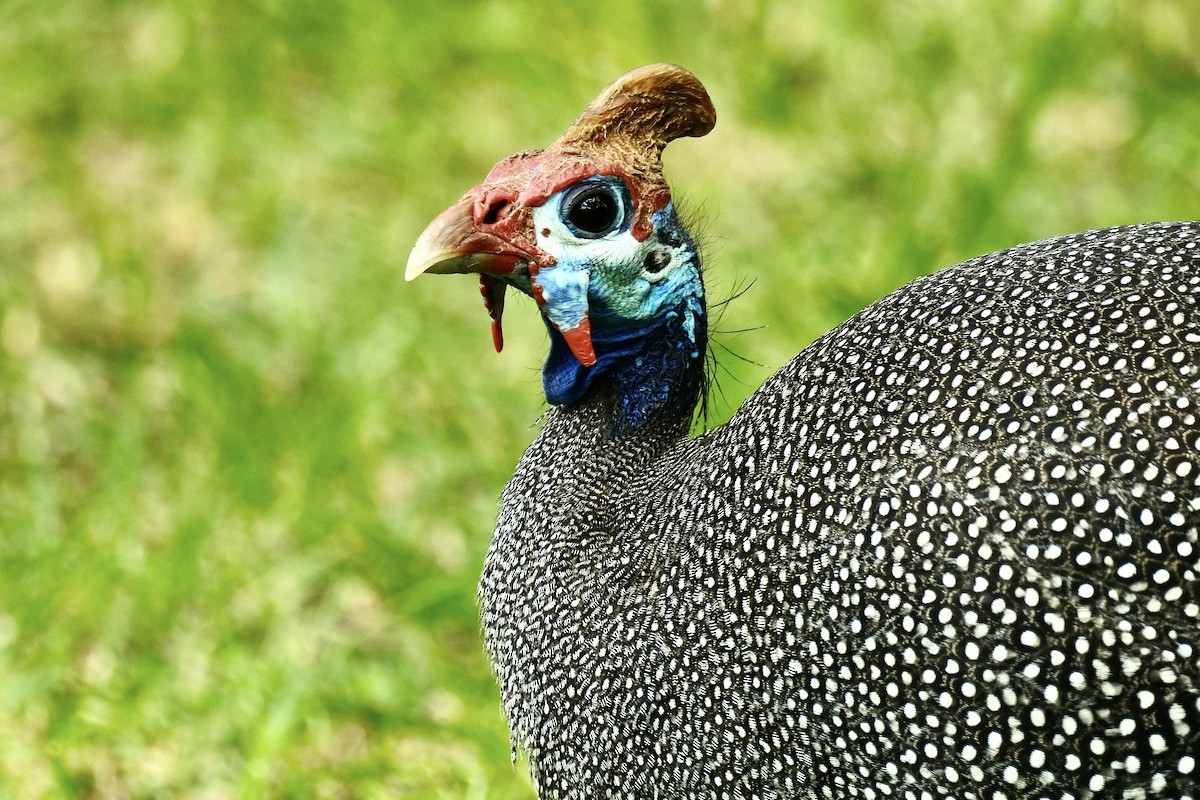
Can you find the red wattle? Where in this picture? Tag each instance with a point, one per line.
(497, 335)
(493, 300)
(579, 339)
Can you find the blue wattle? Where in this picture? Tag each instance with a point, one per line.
(564, 379)
(653, 363)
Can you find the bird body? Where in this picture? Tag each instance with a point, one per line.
(949, 550)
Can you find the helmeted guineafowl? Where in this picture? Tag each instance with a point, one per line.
(950, 550)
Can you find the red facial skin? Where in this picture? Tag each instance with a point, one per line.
(490, 230)
(502, 209)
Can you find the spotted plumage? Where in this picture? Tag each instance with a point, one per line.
(949, 551)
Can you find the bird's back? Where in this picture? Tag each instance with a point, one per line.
(952, 546)
(992, 482)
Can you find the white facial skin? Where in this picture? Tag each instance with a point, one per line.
(628, 281)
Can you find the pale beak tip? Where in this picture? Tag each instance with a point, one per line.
(414, 268)
(439, 248)
(426, 254)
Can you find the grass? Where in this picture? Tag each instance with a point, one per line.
(247, 475)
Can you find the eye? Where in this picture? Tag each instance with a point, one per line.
(592, 210)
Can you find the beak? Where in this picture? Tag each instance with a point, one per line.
(452, 243)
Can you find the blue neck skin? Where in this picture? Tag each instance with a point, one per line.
(657, 364)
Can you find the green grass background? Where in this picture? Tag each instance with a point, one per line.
(248, 475)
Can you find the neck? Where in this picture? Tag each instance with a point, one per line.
(656, 373)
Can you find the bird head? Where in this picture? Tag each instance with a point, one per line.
(586, 227)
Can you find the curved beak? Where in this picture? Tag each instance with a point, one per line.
(452, 243)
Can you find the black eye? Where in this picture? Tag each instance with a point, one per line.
(592, 210)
